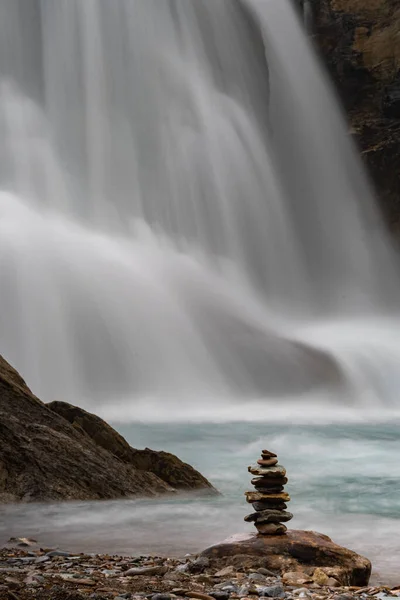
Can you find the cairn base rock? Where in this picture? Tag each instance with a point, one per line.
(300, 551)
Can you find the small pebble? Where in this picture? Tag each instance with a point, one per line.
(256, 577)
(42, 559)
(199, 565)
(273, 591)
(266, 572)
(220, 595)
(146, 571)
(225, 572)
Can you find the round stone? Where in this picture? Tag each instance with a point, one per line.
(270, 528)
(268, 462)
(268, 453)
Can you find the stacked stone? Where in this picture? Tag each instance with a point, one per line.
(269, 499)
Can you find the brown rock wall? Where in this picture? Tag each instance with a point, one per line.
(360, 43)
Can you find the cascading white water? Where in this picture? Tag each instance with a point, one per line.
(182, 215)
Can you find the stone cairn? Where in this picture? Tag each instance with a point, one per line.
(269, 499)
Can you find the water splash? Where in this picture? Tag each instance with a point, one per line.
(182, 214)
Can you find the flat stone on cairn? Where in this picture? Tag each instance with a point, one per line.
(269, 499)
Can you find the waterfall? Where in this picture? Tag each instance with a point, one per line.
(184, 222)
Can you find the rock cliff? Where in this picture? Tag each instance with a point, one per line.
(360, 43)
(166, 466)
(44, 457)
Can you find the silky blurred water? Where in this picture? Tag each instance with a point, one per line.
(186, 232)
(344, 481)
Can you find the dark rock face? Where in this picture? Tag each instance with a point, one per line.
(296, 551)
(43, 457)
(166, 466)
(360, 44)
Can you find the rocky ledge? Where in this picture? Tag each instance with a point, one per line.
(57, 575)
(61, 452)
(300, 556)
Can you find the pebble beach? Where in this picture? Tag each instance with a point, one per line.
(48, 574)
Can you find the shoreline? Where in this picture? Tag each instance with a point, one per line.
(48, 574)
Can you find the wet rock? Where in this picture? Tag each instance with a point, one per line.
(42, 559)
(270, 472)
(266, 572)
(256, 577)
(269, 481)
(84, 581)
(296, 578)
(54, 553)
(165, 466)
(22, 542)
(244, 591)
(199, 565)
(161, 597)
(220, 595)
(259, 497)
(12, 584)
(320, 577)
(272, 591)
(271, 528)
(269, 516)
(226, 586)
(268, 454)
(304, 591)
(182, 568)
(271, 505)
(39, 473)
(269, 489)
(156, 570)
(225, 572)
(267, 462)
(292, 551)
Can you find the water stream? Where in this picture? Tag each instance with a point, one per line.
(182, 214)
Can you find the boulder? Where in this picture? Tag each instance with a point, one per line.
(305, 553)
(360, 44)
(166, 466)
(44, 457)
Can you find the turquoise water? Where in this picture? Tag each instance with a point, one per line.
(337, 469)
(344, 481)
